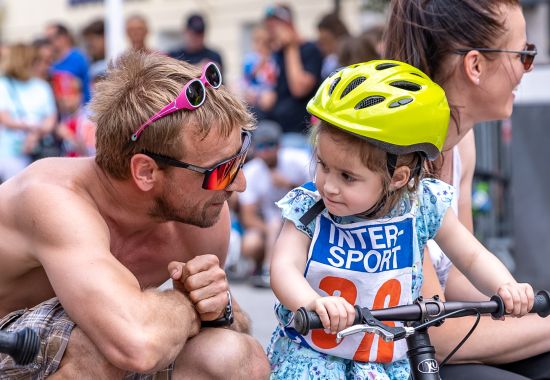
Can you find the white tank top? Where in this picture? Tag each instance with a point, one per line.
(441, 262)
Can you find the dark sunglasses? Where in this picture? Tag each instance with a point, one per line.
(219, 176)
(266, 145)
(191, 97)
(527, 55)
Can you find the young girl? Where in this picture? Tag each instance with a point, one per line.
(357, 235)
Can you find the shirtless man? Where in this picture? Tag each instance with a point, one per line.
(85, 242)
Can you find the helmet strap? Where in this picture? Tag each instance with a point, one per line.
(375, 208)
(391, 162)
(419, 165)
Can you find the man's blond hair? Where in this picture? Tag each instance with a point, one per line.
(138, 85)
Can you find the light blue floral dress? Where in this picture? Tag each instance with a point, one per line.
(294, 361)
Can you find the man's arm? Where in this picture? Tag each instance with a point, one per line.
(203, 279)
(135, 330)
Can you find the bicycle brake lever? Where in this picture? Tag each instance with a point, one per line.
(384, 334)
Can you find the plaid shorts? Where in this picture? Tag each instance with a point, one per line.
(54, 327)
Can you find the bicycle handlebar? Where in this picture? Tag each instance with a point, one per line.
(21, 345)
(305, 320)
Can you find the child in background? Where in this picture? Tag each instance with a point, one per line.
(356, 235)
(75, 128)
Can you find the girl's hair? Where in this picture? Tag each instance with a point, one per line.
(376, 160)
(19, 61)
(423, 33)
(137, 86)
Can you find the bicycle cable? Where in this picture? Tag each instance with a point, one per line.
(478, 317)
(461, 343)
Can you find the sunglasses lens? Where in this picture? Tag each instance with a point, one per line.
(223, 175)
(195, 93)
(213, 76)
(528, 59)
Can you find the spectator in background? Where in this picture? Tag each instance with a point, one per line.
(375, 34)
(356, 49)
(332, 31)
(299, 66)
(94, 41)
(75, 129)
(195, 51)
(67, 57)
(136, 31)
(44, 58)
(259, 74)
(272, 172)
(27, 109)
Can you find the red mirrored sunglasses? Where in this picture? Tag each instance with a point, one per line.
(219, 176)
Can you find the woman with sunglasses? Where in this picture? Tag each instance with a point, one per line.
(478, 52)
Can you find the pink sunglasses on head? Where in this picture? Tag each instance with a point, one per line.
(191, 97)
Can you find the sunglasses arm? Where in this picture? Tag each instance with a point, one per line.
(163, 112)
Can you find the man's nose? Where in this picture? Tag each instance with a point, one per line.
(239, 184)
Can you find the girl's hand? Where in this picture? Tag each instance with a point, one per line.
(335, 312)
(518, 298)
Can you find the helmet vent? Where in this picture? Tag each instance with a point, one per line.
(401, 102)
(405, 85)
(369, 102)
(384, 66)
(335, 71)
(333, 84)
(353, 84)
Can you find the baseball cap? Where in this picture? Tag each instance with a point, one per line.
(195, 23)
(280, 12)
(267, 131)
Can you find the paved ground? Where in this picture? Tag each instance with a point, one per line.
(258, 303)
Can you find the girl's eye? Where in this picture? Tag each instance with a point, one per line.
(347, 177)
(321, 164)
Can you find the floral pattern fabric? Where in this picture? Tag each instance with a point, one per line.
(289, 359)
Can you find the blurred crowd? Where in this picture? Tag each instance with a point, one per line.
(45, 87)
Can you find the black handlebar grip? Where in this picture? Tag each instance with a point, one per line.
(306, 320)
(541, 306)
(22, 345)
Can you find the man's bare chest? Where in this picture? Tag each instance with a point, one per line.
(148, 259)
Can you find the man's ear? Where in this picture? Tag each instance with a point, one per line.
(144, 171)
(473, 64)
(400, 178)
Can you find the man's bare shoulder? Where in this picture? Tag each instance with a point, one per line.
(49, 190)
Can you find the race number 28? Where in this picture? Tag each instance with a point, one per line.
(390, 290)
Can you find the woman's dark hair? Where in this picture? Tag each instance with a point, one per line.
(333, 23)
(424, 32)
(355, 49)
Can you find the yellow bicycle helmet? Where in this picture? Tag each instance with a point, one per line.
(392, 104)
